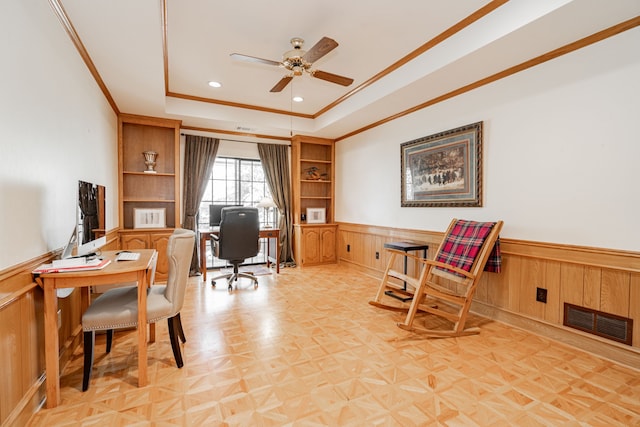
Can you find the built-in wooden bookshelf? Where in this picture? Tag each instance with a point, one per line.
(313, 188)
(140, 189)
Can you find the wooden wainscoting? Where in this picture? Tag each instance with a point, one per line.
(602, 279)
(21, 344)
(22, 339)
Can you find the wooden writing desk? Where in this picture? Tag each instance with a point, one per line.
(265, 233)
(116, 272)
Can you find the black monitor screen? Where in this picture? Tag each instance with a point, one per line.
(215, 214)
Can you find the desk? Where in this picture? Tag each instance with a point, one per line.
(406, 247)
(265, 233)
(115, 272)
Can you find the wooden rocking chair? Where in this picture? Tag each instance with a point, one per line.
(467, 249)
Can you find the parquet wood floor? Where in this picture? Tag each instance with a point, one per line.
(305, 349)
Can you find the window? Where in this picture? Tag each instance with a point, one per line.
(234, 182)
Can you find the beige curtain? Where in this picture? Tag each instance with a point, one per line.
(275, 163)
(199, 157)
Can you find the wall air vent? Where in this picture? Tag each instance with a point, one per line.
(595, 322)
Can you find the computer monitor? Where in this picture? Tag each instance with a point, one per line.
(215, 214)
(90, 213)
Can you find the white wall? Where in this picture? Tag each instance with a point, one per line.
(57, 128)
(561, 153)
(241, 150)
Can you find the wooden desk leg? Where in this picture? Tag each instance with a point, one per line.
(152, 332)
(203, 256)
(142, 328)
(152, 326)
(85, 298)
(277, 239)
(278, 254)
(51, 343)
(268, 252)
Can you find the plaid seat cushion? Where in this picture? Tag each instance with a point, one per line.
(462, 244)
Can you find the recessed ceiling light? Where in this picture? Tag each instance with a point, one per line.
(215, 84)
(298, 99)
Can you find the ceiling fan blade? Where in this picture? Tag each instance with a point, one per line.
(333, 78)
(281, 84)
(320, 49)
(248, 58)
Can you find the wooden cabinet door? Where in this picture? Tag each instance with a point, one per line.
(327, 244)
(132, 241)
(318, 245)
(159, 242)
(150, 240)
(311, 244)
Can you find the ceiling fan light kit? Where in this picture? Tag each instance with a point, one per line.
(298, 61)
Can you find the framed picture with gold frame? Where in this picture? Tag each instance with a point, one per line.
(444, 169)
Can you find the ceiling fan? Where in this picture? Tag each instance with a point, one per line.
(298, 61)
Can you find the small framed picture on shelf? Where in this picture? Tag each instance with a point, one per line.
(149, 218)
(316, 215)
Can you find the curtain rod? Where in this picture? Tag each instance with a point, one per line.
(243, 142)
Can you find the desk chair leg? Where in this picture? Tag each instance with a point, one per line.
(233, 277)
(109, 339)
(180, 330)
(89, 345)
(174, 331)
(89, 341)
(236, 275)
(222, 276)
(248, 276)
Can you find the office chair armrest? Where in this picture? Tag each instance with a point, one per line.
(215, 244)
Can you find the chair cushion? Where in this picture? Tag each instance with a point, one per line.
(118, 308)
(461, 246)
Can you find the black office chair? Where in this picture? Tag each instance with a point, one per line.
(237, 241)
(215, 214)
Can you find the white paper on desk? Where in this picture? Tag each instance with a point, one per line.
(96, 264)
